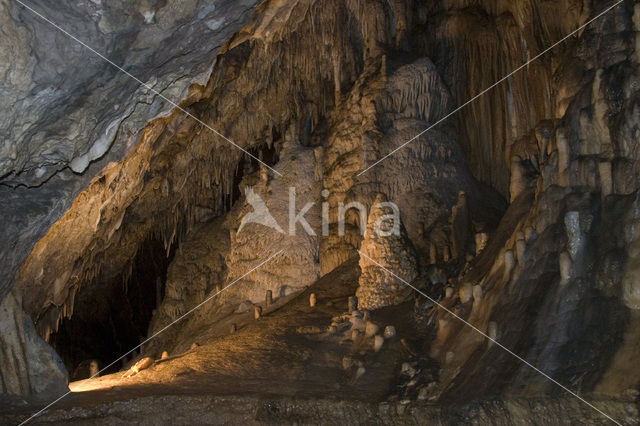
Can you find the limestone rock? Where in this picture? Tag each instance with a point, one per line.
(143, 364)
(378, 287)
(31, 367)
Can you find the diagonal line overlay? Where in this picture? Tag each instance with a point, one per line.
(518, 357)
(497, 83)
(157, 333)
(175, 105)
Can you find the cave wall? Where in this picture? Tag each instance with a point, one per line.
(67, 114)
(346, 83)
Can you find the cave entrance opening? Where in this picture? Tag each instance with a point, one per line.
(112, 316)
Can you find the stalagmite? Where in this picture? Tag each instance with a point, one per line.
(466, 292)
(347, 362)
(448, 292)
(264, 174)
(257, 312)
(386, 254)
(371, 329)
(268, 299)
(443, 324)
(481, 239)
(529, 233)
(94, 369)
(433, 254)
(492, 332)
(360, 372)
(477, 293)
(164, 355)
(521, 246)
(446, 254)
(312, 300)
(143, 364)
(509, 263)
(357, 321)
(378, 341)
(565, 263)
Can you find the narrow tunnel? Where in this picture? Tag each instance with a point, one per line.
(112, 316)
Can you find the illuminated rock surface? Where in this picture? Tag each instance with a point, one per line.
(519, 213)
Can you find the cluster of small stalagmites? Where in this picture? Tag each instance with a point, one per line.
(465, 299)
(586, 155)
(459, 240)
(416, 381)
(357, 327)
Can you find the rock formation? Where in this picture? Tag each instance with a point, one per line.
(28, 365)
(523, 203)
(386, 254)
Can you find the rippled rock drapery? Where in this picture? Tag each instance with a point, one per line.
(558, 140)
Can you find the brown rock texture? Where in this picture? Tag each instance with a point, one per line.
(541, 252)
(383, 248)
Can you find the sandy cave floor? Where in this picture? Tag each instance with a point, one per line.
(286, 368)
(286, 353)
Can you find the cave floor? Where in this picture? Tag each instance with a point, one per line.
(286, 368)
(287, 353)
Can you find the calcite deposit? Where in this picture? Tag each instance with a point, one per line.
(387, 258)
(516, 212)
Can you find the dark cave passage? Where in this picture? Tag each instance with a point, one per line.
(112, 317)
